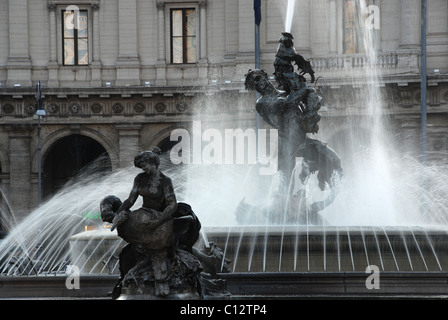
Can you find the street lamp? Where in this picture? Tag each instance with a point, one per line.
(40, 112)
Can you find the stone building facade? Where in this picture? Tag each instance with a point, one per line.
(118, 76)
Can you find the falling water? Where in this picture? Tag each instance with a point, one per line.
(41, 241)
(351, 250)
(407, 250)
(378, 248)
(382, 183)
(419, 249)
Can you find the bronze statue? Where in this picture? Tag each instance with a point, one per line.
(293, 110)
(158, 259)
(284, 70)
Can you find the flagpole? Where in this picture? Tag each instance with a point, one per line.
(423, 84)
(257, 16)
(257, 66)
(423, 115)
(257, 47)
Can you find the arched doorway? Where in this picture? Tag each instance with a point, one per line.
(68, 156)
(2, 214)
(165, 146)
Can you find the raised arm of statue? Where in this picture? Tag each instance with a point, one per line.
(122, 212)
(132, 198)
(170, 198)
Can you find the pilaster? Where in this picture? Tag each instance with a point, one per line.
(410, 24)
(128, 143)
(19, 62)
(128, 62)
(52, 63)
(20, 168)
(161, 60)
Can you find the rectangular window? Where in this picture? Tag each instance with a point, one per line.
(75, 38)
(354, 27)
(183, 36)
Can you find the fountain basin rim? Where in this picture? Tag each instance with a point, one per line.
(325, 274)
(106, 234)
(319, 230)
(103, 233)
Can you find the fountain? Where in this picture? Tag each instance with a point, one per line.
(290, 234)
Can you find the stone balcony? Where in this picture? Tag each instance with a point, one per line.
(388, 67)
(339, 62)
(338, 69)
(342, 82)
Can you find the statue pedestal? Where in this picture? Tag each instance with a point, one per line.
(146, 292)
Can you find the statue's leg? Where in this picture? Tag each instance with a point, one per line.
(161, 272)
(127, 261)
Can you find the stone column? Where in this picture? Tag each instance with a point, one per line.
(302, 24)
(410, 24)
(377, 33)
(53, 62)
(161, 60)
(203, 29)
(19, 62)
(128, 62)
(319, 27)
(246, 27)
(333, 27)
(410, 28)
(96, 63)
(128, 144)
(340, 24)
(203, 61)
(20, 169)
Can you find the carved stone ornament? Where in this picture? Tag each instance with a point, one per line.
(160, 107)
(31, 110)
(74, 108)
(53, 108)
(118, 108)
(445, 96)
(181, 106)
(8, 109)
(139, 107)
(96, 108)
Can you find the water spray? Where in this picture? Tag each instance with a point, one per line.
(289, 15)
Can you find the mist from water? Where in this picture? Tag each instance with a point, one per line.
(44, 234)
(383, 185)
(368, 196)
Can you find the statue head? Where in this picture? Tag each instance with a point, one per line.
(108, 206)
(148, 157)
(287, 39)
(253, 79)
